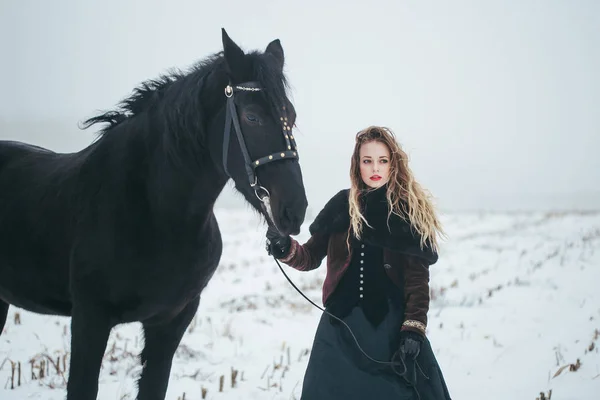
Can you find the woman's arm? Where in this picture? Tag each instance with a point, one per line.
(307, 256)
(416, 293)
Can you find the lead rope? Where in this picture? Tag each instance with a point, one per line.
(393, 364)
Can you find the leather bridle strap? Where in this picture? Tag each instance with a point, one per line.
(231, 117)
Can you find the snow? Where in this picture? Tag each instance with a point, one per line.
(514, 298)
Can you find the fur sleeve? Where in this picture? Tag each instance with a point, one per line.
(416, 292)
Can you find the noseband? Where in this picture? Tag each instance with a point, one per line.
(231, 116)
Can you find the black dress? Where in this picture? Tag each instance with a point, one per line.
(373, 307)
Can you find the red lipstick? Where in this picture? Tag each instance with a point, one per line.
(375, 178)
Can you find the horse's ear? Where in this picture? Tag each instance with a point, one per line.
(234, 56)
(276, 50)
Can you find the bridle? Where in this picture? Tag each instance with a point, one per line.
(231, 117)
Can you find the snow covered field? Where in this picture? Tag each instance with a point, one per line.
(516, 301)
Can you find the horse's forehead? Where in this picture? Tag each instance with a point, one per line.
(282, 104)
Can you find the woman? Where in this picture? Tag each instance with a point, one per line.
(379, 236)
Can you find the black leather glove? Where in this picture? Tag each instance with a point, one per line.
(410, 344)
(277, 245)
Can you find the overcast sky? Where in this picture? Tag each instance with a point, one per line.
(497, 102)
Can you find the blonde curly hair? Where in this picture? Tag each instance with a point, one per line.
(402, 188)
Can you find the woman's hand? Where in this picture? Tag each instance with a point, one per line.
(277, 245)
(410, 344)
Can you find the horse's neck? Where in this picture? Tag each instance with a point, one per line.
(184, 196)
(183, 193)
(174, 193)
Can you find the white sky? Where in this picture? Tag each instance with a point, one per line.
(496, 102)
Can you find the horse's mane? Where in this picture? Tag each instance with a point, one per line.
(189, 86)
(141, 98)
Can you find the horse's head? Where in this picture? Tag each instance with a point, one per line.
(253, 141)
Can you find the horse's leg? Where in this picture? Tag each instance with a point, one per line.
(3, 314)
(161, 341)
(90, 327)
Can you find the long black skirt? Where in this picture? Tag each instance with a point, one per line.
(337, 369)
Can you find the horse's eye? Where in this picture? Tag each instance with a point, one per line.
(251, 118)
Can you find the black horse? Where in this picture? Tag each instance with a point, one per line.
(124, 230)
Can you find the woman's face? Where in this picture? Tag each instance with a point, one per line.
(374, 164)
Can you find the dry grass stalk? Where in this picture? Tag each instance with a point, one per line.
(15, 370)
(279, 364)
(57, 364)
(572, 368)
(543, 396)
(42, 363)
(264, 372)
(303, 353)
(12, 375)
(234, 374)
(32, 364)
